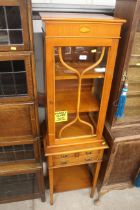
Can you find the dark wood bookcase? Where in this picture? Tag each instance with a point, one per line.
(123, 135)
(20, 158)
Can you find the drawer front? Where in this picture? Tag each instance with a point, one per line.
(62, 29)
(76, 158)
(18, 120)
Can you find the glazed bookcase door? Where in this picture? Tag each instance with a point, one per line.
(79, 79)
(132, 109)
(16, 81)
(14, 34)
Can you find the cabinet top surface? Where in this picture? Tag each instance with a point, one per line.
(79, 17)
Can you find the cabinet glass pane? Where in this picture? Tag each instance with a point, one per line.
(79, 77)
(10, 25)
(18, 185)
(16, 153)
(132, 109)
(12, 78)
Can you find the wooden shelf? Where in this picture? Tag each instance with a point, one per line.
(19, 168)
(67, 100)
(72, 178)
(64, 74)
(77, 130)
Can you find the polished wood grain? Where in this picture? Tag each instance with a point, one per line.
(71, 178)
(74, 143)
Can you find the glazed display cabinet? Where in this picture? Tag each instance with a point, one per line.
(123, 134)
(21, 172)
(80, 58)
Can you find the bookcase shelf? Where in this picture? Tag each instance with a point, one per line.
(89, 102)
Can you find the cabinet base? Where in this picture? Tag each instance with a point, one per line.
(72, 178)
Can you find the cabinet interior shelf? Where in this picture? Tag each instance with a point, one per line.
(64, 74)
(78, 129)
(66, 101)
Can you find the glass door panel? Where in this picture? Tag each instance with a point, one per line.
(132, 109)
(10, 25)
(13, 78)
(79, 78)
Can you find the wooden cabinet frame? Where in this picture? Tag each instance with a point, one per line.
(28, 58)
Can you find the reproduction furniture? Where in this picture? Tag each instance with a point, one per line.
(123, 135)
(21, 174)
(80, 58)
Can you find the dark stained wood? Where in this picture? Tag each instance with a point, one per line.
(19, 123)
(26, 25)
(123, 135)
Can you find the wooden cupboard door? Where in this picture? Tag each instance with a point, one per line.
(124, 162)
(14, 32)
(17, 120)
(16, 77)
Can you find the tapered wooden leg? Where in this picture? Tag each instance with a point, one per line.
(51, 185)
(97, 169)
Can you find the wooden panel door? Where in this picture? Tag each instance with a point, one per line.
(14, 32)
(18, 120)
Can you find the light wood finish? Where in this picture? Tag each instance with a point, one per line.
(77, 88)
(72, 178)
(88, 101)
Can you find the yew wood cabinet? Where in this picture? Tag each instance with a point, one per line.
(21, 174)
(80, 58)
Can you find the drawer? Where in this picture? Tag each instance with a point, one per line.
(74, 29)
(18, 120)
(76, 158)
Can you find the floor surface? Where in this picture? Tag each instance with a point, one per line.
(128, 199)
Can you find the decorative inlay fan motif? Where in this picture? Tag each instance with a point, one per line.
(79, 76)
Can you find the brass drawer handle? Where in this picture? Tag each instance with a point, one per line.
(89, 153)
(64, 162)
(84, 29)
(76, 155)
(64, 156)
(88, 159)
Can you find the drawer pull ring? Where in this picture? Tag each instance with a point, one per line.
(84, 29)
(64, 162)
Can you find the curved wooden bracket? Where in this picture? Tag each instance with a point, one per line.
(79, 76)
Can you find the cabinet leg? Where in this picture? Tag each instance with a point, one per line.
(51, 185)
(97, 169)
